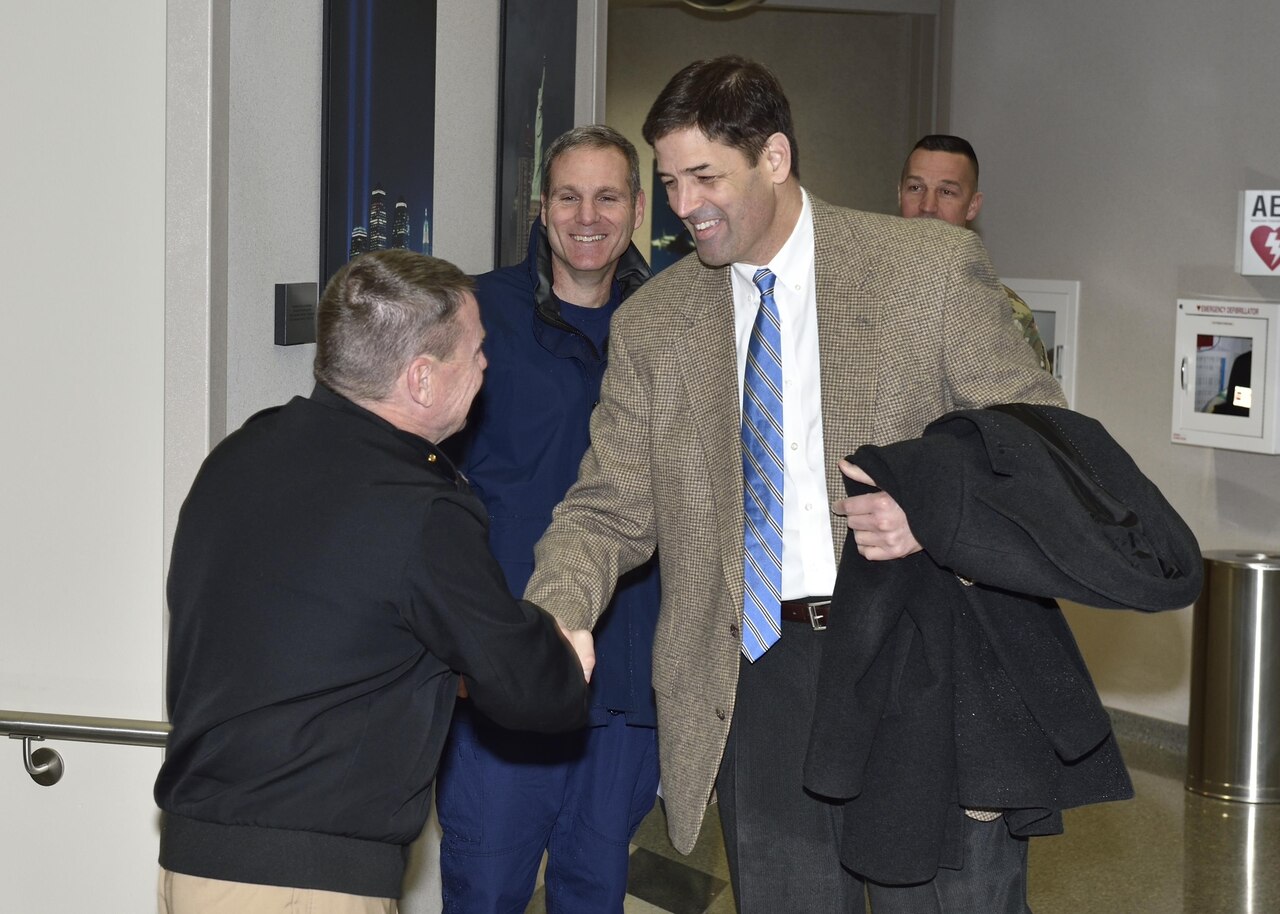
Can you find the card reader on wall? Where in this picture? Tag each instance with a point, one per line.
(296, 312)
(1226, 380)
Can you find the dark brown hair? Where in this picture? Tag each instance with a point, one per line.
(945, 142)
(732, 100)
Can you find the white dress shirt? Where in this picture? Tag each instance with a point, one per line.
(808, 554)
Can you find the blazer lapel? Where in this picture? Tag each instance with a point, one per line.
(849, 325)
(708, 362)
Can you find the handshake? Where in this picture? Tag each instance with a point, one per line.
(579, 639)
(583, 645)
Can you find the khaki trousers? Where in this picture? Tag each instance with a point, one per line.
(182, 894)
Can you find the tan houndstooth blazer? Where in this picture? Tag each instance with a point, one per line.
(912, 323)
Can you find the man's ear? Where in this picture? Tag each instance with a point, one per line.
(542, 210)
(777, 153)
(975, 207)
(418, 378)
(639, 211)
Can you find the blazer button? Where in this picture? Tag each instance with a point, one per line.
(735, 631)
(720, 713)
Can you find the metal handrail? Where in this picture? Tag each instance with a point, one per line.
(121, 731)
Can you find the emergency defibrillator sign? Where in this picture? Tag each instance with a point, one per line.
(1260, 234)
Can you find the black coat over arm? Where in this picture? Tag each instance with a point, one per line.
(950, 679)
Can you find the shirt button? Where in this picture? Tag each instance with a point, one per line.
(808, 506)
(794, 446)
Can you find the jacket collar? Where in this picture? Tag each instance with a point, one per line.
(631, 273)
(432, 456)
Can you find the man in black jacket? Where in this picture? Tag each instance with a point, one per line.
(330, 580)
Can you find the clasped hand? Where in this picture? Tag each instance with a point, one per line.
(878, 523)
(583, 645)
(579, 639)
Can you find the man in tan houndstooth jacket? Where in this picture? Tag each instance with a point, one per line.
(886, 324)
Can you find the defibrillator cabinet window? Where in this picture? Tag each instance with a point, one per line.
(1223, 383)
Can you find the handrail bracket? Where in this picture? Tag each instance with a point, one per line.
(44, 764)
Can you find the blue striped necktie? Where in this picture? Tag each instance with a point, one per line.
(762, 475)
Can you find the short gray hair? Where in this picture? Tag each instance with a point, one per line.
(379, 312)
(594, 136)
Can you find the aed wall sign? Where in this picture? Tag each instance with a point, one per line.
(1260, 237)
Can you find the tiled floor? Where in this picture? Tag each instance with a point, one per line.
(1166, 852)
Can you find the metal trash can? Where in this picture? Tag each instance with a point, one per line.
(1233, 740)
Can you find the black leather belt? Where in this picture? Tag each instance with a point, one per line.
(811, 610)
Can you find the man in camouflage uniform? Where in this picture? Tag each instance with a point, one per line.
(940, 181)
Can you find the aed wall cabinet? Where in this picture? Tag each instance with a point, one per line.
(1226, 381)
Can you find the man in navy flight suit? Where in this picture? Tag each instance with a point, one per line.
(505, 796)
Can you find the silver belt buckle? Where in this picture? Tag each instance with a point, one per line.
(817, 620)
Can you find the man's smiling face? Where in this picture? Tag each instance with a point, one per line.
(729, 204)
(588, 212)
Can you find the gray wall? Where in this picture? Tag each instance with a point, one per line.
(273, 194)
(82, 371)
(849, 79)
(1114, 139)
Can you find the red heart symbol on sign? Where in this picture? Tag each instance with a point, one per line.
(1266, 241)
